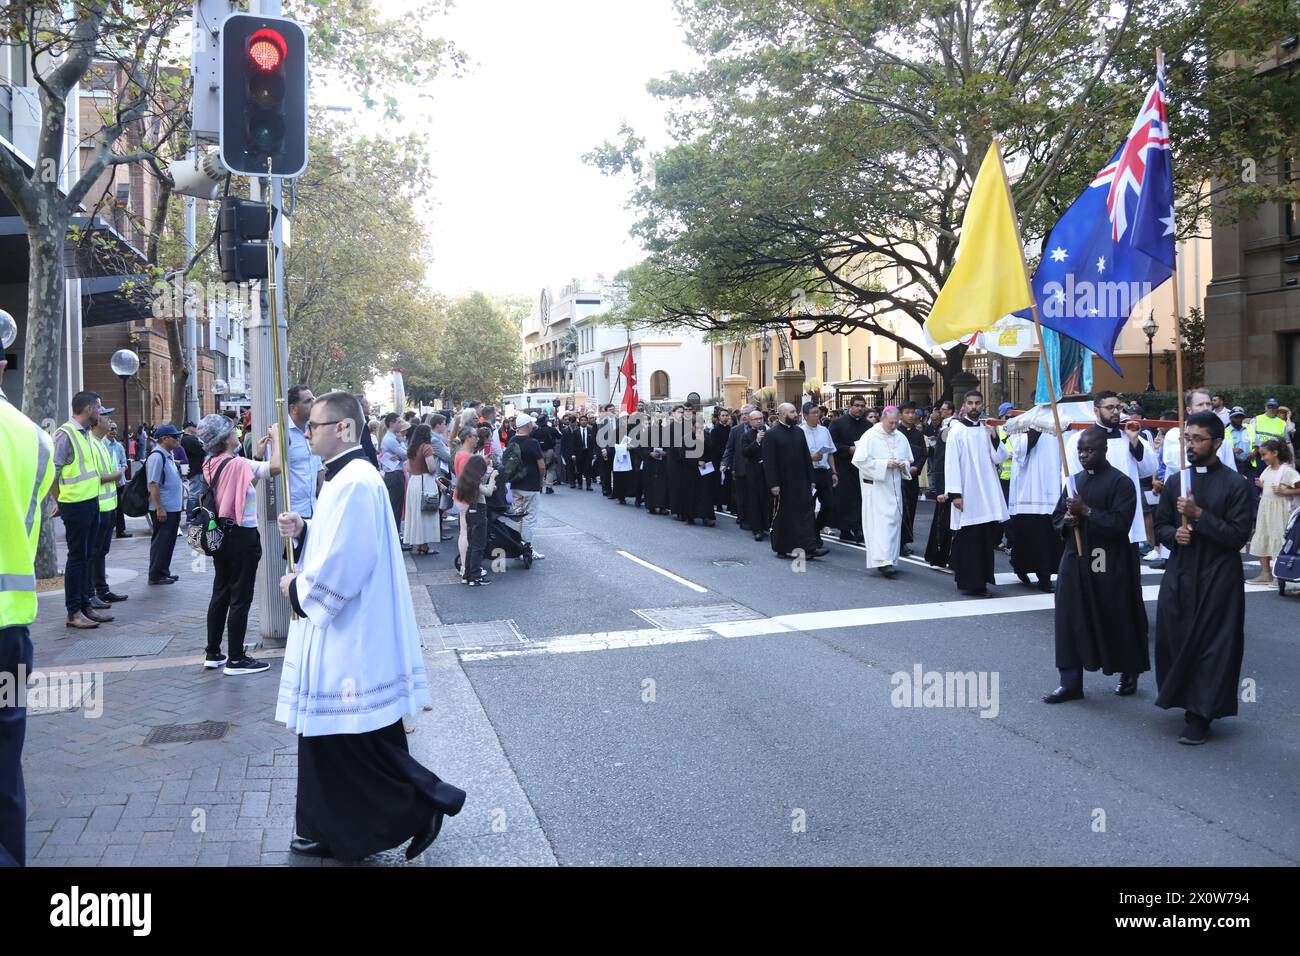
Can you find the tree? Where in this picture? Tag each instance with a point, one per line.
(472, 353)
(354, 275)
(823, 154)
(62, 39)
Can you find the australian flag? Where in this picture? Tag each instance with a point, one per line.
(1115, 243)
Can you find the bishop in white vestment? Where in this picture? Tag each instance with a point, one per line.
(883, 457)
(353, 668)
(971, 484)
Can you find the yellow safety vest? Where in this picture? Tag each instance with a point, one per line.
(24, 482)
(107, 489)
(79, 478)
(1270, 428)
(1004, 469)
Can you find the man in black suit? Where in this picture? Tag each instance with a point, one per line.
(731, 463)
(753, 483)
(580, 452)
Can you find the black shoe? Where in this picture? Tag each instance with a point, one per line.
(245, 666)
(550, 491)
(211, 661)
(820, 552)
(888, 570)
(1159, 565)
(310, 847)
(112, 598)
(759, 536)
(977, 594)
(173, 578)
(99, 617)
(1063, 694)
(422, 841)
(1127, 686)
(1196, 730)
(848, 538)
(1024, 579)
(709, 524)
(1047, 587)
(124, 534)
(98, 603)
(157, 581)
(905, 552)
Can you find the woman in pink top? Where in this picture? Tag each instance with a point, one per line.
(233, 480)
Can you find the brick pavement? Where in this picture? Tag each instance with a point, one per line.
(99, 796)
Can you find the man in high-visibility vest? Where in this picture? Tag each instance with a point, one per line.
(76, 491)
(1270, 425)
(103, 597)
(25, 475)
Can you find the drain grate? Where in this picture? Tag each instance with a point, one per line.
(187, 733)
(95, 648)
(695, 615)
(727, 563)
(483, 634)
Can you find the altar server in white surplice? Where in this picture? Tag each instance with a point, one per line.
(883, 457)
(353, 667)
(970, 475)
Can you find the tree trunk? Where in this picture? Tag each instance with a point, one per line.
(180, 371)
(952, 367)
(46, 278)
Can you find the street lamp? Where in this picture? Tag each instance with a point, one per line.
(8, 330)
(1149, 327)
(124, 364)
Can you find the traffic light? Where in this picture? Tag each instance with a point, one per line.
(263, 95)
(244, 231)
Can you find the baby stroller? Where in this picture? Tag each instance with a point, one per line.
(1286, 566)
(503, 535)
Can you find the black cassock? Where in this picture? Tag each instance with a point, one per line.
(1101, 622)
(912, 489)
(654, 481)
(691, 493)
(753, 484)
(845, 432)
(627, 484)
(715, 443)
(1201, 614)
(788, 465)
(938, 547)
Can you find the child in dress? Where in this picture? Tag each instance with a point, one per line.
(1279, 484)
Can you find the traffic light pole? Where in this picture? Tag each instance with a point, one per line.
(273, 609)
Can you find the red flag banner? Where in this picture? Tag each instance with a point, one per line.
(628, 370)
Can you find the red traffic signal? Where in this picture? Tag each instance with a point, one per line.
(267, 49)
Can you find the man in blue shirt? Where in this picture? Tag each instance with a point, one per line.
(117, 454)
(305, 468)
(165, 497)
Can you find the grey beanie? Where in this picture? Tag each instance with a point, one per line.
(212, 432)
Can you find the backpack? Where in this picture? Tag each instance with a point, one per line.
(512, 464)
(134, 499)
(207, 529)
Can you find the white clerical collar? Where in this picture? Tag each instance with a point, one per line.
(346, 451)
(1201, 469)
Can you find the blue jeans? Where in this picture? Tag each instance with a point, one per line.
(80, 520)
(15, 652)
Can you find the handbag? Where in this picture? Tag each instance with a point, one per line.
(429, 501)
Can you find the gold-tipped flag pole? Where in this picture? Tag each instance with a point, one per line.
(1178, 344)
(282, 431)
(1042, 350)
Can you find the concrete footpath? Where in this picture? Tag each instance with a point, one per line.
(144, 758)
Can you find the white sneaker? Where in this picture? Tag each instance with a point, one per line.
(537, 555)
(1152, 555)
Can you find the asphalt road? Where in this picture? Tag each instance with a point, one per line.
(777, 740)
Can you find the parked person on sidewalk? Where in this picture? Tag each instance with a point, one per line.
(526, 486)
(423, 526)
(117, 456)
(305, 469)
(1279, 485)
(355, 641)
(477, 483)
(233, 479)
(103, 598)
(392, 456)
(76, 491)
(25, 479)
(166, 499)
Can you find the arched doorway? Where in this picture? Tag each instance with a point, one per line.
(658, 386)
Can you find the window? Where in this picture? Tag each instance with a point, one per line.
(658, 386)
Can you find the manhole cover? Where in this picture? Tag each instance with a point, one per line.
(186, 733)
(95, 648)
(483, 634)
(730, 564)
(695, 615)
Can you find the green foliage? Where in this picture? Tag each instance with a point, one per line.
(1191, 328)
(823, 155)
(472, 352)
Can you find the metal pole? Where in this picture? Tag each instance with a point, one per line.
(191, 315)
(1151, 365)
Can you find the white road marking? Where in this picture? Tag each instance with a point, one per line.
(668, 574)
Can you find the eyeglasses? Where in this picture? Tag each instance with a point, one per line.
(311, 424)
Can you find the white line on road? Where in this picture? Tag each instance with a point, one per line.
(668, 574)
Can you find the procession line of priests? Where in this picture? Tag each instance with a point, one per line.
(882, 488)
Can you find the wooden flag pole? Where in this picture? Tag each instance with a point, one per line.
(1178, 345)
(1042, 349)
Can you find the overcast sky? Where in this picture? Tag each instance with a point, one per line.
(515, 207)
